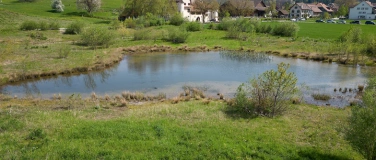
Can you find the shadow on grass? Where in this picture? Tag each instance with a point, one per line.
(103, 22)
(314, 154)
(80, 14)
(235, 113)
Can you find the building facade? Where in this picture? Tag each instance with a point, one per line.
(364, 10)
(188, 12)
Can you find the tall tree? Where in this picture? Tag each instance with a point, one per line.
(89, 5)
(242, 7)
(204, 6)
(57, 5)
(135, 8)
(343, 10)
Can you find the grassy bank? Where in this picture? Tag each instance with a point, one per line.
(38, 129)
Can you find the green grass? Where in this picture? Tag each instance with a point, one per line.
(188, 130)
(330, 31)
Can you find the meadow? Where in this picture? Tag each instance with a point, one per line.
(195, 129)
(85, 129)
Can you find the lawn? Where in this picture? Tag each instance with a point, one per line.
(330, 31)
(188, 130)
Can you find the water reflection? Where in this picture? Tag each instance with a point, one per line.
(159, 72)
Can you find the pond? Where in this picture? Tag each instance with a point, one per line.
(154, 73)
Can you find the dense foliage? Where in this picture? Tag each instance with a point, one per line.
(362, 123)
(270, 94)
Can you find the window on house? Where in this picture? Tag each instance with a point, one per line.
(360, 12)
(362, 8)
(296, 7)
(362, 4)
(185, 4)
(298, 11)
(358, 8)
(292, 11)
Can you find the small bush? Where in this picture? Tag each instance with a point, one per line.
(29, 25)
(241, 102)
(97, 37)
(54, 25)
(43, 26)
(177, 19)
(322, 97)
(38, 35)
(64, 51)
(286, 29)
(146, 34)
(225, 24)
(193, 26)
(130, 23)
(75, 28)
(116, 24)
(270, 93)
(177, 36)
(233, 32)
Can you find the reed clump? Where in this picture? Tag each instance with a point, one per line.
(321, 96)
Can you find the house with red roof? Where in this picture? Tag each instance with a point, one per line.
(363, 10)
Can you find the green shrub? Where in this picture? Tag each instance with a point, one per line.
(233, 32)
(242, 103)
(177, 19)
(38, 35)
(97, 37)
(130, 23)
(29, 25)
(271, 92)
(225, 24)
(43, 26)
(177, 36)
(54, 25)
(75, 28)
(286, 29)
(193, 26)
(116, 24)
(64, 51)
(322, 97)
(264, 28)
(361, 128)
(146, 34)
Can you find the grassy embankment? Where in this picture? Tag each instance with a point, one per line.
(84, 129)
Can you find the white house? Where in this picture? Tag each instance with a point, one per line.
(364, 10)
(188, 12)
(300, 10)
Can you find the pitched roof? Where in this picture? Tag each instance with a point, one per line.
(303, 6)
(322, 6)
(369, 3)
(260, 6)
(314, 8)
(283, 12)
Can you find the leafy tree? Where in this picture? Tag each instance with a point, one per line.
(136, 8)
(89, 5)
(343, 10)
(353, 42)
(270, 93)
(204, 6)
(325, 15)
(242, 7)
(57, 5)
(361, 129)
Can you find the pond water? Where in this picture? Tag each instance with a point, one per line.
(155, 73)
